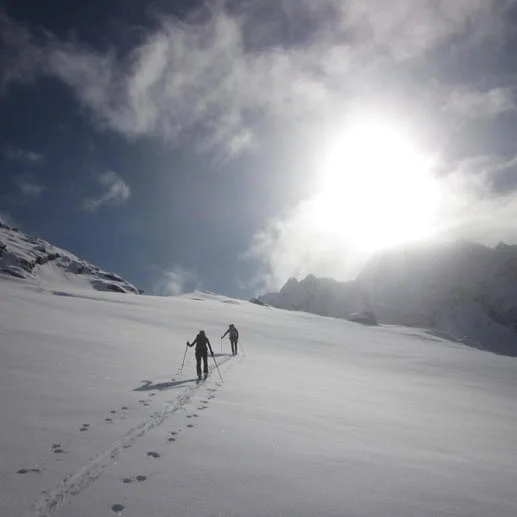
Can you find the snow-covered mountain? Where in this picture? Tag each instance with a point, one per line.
(32, 259)
(467, 291)
(323, 296)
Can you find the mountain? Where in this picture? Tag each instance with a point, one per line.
(464, 290)
(322, 296)
(315, 417)
(31, 259)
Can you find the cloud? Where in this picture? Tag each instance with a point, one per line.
(472, 206)
(21, 57)
(411, 28)
(116, 192)
(29, 186)
(290, 246)
(22, 155)
(471, 104)
(176, 281)
(231, 70)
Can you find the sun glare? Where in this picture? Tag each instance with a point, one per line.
(376, 189)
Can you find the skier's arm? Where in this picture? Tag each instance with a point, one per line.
(228, 330)
(193, 342)
(209, 346)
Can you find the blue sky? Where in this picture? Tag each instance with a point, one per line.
(183, 144)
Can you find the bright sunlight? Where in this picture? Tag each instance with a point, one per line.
(376, 189)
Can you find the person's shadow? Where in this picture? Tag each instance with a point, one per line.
(160, 386)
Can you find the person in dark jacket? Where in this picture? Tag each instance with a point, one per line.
(202, 346)
(234, 337)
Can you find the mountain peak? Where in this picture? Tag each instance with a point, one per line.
(465, 290)
(31, 259)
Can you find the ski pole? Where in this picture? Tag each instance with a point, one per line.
(184, 355)
(243, 351)
(218, 371)
(221, 345)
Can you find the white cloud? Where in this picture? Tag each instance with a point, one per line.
(472, 104)
(21, 58)
(409, 28)
(29, 186)
(116, 192)
(177, 280)
(22, 155)
(291, 246)
(471, 208)
(233, 68)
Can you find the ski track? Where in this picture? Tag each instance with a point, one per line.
(91, 471)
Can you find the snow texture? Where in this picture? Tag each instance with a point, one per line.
(36, 261)
(462, 290)
(316, 416)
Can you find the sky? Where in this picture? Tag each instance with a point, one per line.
(229, 145)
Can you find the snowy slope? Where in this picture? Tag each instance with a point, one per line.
(34, 260)
(464, 290)
(321, 417)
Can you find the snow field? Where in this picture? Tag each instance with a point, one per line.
(320, 417)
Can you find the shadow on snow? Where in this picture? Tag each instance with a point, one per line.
(160, 386)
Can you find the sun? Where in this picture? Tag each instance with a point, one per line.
(376, 189)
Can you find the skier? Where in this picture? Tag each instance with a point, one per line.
(201, 342)
(234, 337)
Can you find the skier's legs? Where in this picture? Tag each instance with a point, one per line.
(205, 362)
(199, 355)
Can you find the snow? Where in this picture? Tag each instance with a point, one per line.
(315, 417)
(35, 261)
(462, 289)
